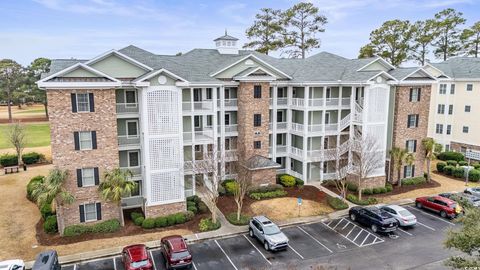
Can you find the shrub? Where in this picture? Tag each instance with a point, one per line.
(287, 180)
(50, 225)
(75, 230)
(46, 210)
(337, 203)
(355, 200)
(453, 163)
(474, 175)
(193, 198)
(352, 187)
(221, 190)
(31, 185)
(267, 188)
(269, 194)
(7, 160)
(232, 218)
(367, 191)
(148, 223)
(160, 222)
(192, 209)
(190, 204)
(441, 166)
(138, 221)
(206, 224)
(451, 156)
(448, 169)
(32, 158)
(458, 172)
(135, 215)
(180, 218)
(389, 187)
(171, 220)
(372, 200)
(189, 215)
(202, 207)
(231, 187)
(414, 181)
(299, 182)
(462, 163)
(376, 190)
(477, 166)
(107, 226)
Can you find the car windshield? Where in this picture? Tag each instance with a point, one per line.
(404, 213)
(139, 264)
(272, 229)
(180, 255)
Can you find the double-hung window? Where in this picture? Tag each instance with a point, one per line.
(83, 104)
(415, 94)
(441, 109)
(88, 177)
(90, 212)
(411, 146)
(469, 87)
(465, 129)
(257, 91)
(468, 108)
(452, 89)
(450, 109)
(449, 129)
(409, 171)
(412, 120)
(257, 144)
(439, 129)
(443, 89)
(85, 140)
(257, 120)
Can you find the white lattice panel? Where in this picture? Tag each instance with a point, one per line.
(377, 110)
(166, 186)
(164, 153)
(163, 112)
(377, 131)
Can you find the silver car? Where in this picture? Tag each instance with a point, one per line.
(475, 191)
(402, 215)
(268, 233)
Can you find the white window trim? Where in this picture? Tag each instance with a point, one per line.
(85, 212)
(126, 128)
(409, 171)
(88, 101)
(466, 87)
(131, 105)
(411, 144)
(128, 158)
(83, 183)
(199, 121)
(80, 140)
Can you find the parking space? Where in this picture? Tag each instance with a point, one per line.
(244, 253)
(353, 232)
(102, 264)
(305, 244)
(210, 255)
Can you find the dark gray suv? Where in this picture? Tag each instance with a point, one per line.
(268, 233)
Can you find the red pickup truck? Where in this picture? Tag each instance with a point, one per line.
(445, 207)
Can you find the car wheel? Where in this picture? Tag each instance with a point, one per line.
(418, 205)
(250, 232)
(266, 245)
(353, 217)
(443, 214)
(374, 228)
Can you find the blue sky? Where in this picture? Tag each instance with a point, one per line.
(84, 29)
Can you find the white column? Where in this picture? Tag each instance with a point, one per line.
(352, 113)
(192, 108)
(274, 122)
(322, 138)
(305, 133)
(222, 125)
(289, 126)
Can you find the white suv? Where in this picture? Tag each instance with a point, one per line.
(268, 233)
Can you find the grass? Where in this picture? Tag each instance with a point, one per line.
(36, 135)
(32, 111)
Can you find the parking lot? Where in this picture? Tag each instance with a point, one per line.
(333, 242)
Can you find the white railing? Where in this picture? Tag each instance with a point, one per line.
(282, 125)
(137, 170)
(315, 128)
(343, 148)
(331, 127)
(296, 151)
(315, 154)
(231, 128)
(345, 101)
(231, 155)
(232, 102)
(345, 122)
(128, 140)
(281, 149)
(206, 105)
(132, 201)
(205, 134)
(299, 102)
(296, 174)
(315, 102)
(329, 176)
(332, 102)
(297, 127)
(282, 101)
(124, 108)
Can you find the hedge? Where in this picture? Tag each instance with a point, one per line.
(206, 224)
(46, 210)
(7, 160)
(108, 226)
(267, 195)
(453, 163)
(267, 188)
(377, 190)
(287, 180)
(231, 187)
(32, 157)
(135, 215)
(299, 182)
(148, 223)
(50, 225)
(337, 203)
(414, 181)
(232, 218)
(448, 169)
(164, 221)
(138, 221)
(352, 198)
(450, 155)
(31, 185)
(352, 187)
(196, 205)
(477, 166)
(474, 175)
(441, 166)
(462, 163)
(458, 172)
(389, 187)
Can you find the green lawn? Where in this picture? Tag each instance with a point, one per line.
(37, 135)
(33, 111)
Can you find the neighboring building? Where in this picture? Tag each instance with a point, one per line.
(157, 115)
(455, 104)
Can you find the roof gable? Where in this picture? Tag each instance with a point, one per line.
(78, 75)
(248, 62)
(419, 74)
(378, 64)
(118, 66)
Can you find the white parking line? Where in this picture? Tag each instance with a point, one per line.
(216, 242)
(114, 264)
(315, 239)
(365, 239)
(439, 218)
(338, 223)
(357, 235)
(350, 231)
(341, 234)
(74, 266)
(153, 261)
(428, 227)
(405, 232)
(194, 266)
(348, 223)
(290, 247)
(257, 249)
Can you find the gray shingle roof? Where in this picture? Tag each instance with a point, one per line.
(226, 37)
(61, 64)
(259, 163)
(460, 67)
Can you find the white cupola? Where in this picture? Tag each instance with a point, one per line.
(226, 44)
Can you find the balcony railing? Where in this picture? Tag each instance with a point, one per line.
(206, 105)
(232, 102)
(137, 170)
(282, 125)
(299, 102)
(281, 149)
(331, 127)
(231, 128)
(315, 128)
(316, 102)
(134, 201)
(126, 108)
(124, 140)
(204, 134)
(297, 127)
(296, 151)
(329, 176)
(296, 174)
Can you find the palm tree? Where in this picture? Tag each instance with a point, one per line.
(429, 145)
(52, 189)
(116, 184)
(400, 157)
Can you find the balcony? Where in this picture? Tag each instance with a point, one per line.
(281, 101)
(231, 128)
(128, 141)
(231, 102)
(127, 108)
(296, 151)
(297, 127)
(321, 155)
(206, 105)
(298, 102)
(136, 171)
(206, 134)
(132, 202)
(231, 155)
(281, 149)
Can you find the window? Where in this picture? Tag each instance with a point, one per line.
(415, 94)
(257, 120)
(443, 89)
(196, 121)
(257, 144)
(450, 109)
(408, 171)
(282, 92)
(411, 146)
(227, 119)
(327, 118)
(257, 91)
(130, 97)
(209, 121)
(441, 109)
(83, 102)
(468, 108)
(85, 139)
(198, 148)
(90, 212)
(209, 93)
(465, 129)
(132, 128)
(88, 177)
(439, 129)
(280, 139)
(133, 159)
(279, 116)
(452, 89)
(412, 120)
(469, 87)
(447, 147)
(449, 129)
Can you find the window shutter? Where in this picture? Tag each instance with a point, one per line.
(91, 101)
(79, 178)
(74, 102)
(99, 211)
(408, 120)
(94, 139)
(415, 146)
(95, 174)
(419, 93)
(82, 213)
(411, 94)
(77, 140)
(413, 170)
(416, 120)
(406, 144)
(404, 172)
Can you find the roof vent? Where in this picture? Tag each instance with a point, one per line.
(226, 44)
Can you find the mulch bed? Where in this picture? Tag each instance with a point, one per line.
(26, 119)
(128, 230)
(396, 190)
(227, 204)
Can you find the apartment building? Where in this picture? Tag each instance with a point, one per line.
(158, 115)
(455, 99)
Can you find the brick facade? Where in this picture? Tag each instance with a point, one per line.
(371, 182)
(264, 176)
(457, 146)
(63, 123)
(165, 209)
(402, 133)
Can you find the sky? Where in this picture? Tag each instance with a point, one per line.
(84, 29)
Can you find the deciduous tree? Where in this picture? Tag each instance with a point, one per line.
(16, 136)
(266, 33)
(470, 39)
(447, 43)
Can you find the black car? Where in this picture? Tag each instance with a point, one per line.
(377, 219)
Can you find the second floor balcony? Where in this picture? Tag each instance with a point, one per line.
(200, 106)
(199, 135)
(127, 108)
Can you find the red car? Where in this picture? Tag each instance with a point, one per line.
(445, 207)
(136, 257)
(175, 252)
